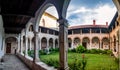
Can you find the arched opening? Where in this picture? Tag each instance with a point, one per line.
(69, 42)
(105, 43)
(50, 43)
(49, 20)
(85, 42)
(11, 45)
(56, 43)
(31, 28)
(43, 43)
(96, 42)
(76, 41)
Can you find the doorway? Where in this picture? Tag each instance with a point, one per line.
(8, 48)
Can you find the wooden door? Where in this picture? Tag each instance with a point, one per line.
(8, 48)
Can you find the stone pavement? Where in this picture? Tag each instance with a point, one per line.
(11, 62)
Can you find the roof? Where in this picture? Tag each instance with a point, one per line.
(88, 26)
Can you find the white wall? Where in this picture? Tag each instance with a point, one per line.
(1, 37)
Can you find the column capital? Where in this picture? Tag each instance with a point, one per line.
(36, 33)
(63, 21)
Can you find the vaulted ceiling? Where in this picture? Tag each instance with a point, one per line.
(16, 13)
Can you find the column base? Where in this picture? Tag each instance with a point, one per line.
(36, 60)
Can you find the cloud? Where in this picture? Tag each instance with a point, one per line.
(82, 15)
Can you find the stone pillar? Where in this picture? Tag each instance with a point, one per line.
(47, 46)
(26, 45)
(72, 44)
(53, 44)
(90, 45)
(30, 43)
(36, 50)
(18, 49)
(21, 47)
(100, 45)
(40, 44)
(63, 44)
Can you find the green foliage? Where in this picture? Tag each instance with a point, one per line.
(52, 62)
(31, 53)
(42, 52)
(78, 64)
(72, 50)
(52, 50)
(80, 49)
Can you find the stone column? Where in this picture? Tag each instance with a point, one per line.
(100, 45)
(47, 46)
(36, 50)
(40, 44)
(30, 43)
(63, 44)
(72, 44)
(26, 45)
(21, 47)
(90, 45)
(53, 44)
(18, 49)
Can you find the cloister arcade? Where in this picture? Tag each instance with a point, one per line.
(31, 36)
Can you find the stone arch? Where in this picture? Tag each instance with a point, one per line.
(51, 43)
(40, 13)
(11, 45)
(105, 43)
(43, 43)
(76, 41)
(29, 25)
(69, 42)
(85, 42)
(96, 42)
(61, 9)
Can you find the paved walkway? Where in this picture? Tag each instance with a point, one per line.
(11, 62)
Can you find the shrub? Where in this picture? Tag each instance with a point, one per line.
(94, 51)
(72, 50)
(52, 50)
(78, 64)
(109, 52)
(31, 53)
(52, 62)
(80, 49)
(42, 52)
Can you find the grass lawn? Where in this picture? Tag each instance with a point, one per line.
(94, 61)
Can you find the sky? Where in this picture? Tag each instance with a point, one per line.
(83, 12)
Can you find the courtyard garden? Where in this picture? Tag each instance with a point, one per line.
(82, 59)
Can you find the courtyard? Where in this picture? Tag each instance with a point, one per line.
(94, 61)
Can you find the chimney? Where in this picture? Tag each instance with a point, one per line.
(94, 22)
(106, 23)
